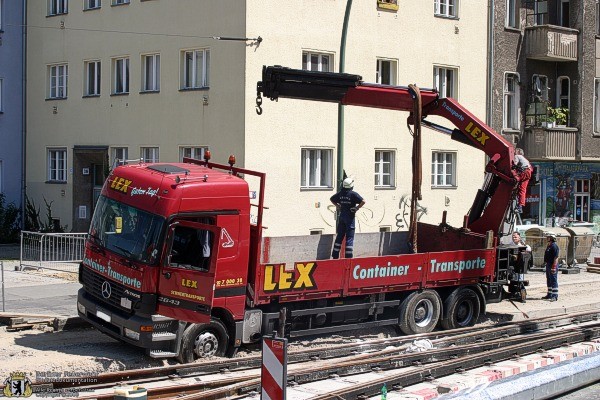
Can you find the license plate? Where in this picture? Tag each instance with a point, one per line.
(103, 315)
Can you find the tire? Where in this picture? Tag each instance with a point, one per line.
(461, 309)
(203, 341)
(419, 312)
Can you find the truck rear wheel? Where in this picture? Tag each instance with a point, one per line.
(203, 341)
(461, 309)
(420, 312)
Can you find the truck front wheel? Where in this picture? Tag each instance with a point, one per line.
(420, 312)
(203, 341)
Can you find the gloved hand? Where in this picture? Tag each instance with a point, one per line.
(354, 209)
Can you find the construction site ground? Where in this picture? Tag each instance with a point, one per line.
(86, 351)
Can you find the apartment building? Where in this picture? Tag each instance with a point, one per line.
(150, 79)
(11, 99)
(545, 98)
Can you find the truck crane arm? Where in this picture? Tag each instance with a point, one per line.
(492, 201)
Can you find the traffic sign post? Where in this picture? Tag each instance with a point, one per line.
(273, 377)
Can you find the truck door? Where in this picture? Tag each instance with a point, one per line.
(187, 276)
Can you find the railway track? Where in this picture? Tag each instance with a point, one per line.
(398, 359)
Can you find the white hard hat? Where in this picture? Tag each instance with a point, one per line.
(348, 183)
(551, 235)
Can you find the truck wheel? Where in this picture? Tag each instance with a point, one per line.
(461, 309)
(420, 312)
(203, 341)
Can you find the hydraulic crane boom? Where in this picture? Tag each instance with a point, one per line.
(492, 201)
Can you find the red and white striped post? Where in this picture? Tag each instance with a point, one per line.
(273, 377)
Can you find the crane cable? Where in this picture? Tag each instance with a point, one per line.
(417, 169)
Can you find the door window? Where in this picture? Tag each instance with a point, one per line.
(191, 248)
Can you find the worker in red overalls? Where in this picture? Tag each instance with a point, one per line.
(523, 167)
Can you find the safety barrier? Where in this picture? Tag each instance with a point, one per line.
(56, 251)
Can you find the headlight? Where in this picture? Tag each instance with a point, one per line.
(132, 334)
(80, 308)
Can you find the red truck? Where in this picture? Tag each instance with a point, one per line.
(176, 261)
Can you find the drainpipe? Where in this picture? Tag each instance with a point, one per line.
(23, 113)
(490, 68)
(581, 62)
(340, 139)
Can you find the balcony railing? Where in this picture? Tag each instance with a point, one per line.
(558, 143)
(551, 43)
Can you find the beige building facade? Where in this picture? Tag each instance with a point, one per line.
(148, 79)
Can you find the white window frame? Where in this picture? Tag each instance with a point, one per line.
(119, 155)
(58, 7)
(596, 107)
(389, 67)
(443, 168)
(92, 4)
(380, 164)
(151, 72)
(318, 169)
(150, 154)
(120, 69)
(92, 83)
(195, 152)
(57, 164)
(58, 76)
(446, 8)
(446, 85)
(540, 12)
(511, 117)
(563, 99)
(200, 69)
(309, 64)
(513, 17)
(119, 2)
(581, 197)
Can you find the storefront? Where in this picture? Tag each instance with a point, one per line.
(562, 191)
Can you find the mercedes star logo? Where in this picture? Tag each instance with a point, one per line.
(106, 290)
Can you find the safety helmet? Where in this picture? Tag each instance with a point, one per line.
(348, 183)
(551, 235)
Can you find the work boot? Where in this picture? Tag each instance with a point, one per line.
(551, 299)
(546, 297)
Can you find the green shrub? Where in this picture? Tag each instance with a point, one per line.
(9, 221)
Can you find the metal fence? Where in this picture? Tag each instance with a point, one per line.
(56, 251)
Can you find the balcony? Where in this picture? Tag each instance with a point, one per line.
(551, 43)
(558, 143)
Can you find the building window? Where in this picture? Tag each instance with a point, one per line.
(192, 152)
(512, 14)
(92, 78)
(540, 12)
(119, 2)
(57, 165)
(597, 17)
(119, 155)
(511, 101)
(445, 80)
(317, 168)
(149, 154)
(120, 75)
(563, 94)
(57, 79)
(582, 200)
(316, 62)
(56, 7)
(384, 168)
(195, 68)
(597, 106)
(386, 72)
(91, 4)
(151, 73)
(446, 8)
(443, 169)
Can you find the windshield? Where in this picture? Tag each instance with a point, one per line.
(138, 239)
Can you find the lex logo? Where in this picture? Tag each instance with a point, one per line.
(477, 133)
(120, 184)
(189, 283)
(278, 279)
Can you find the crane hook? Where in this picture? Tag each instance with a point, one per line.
(259, 104)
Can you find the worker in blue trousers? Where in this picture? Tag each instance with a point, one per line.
(347, 202)
(551, 263)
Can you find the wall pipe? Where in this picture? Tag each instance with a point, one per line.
(24, 114)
